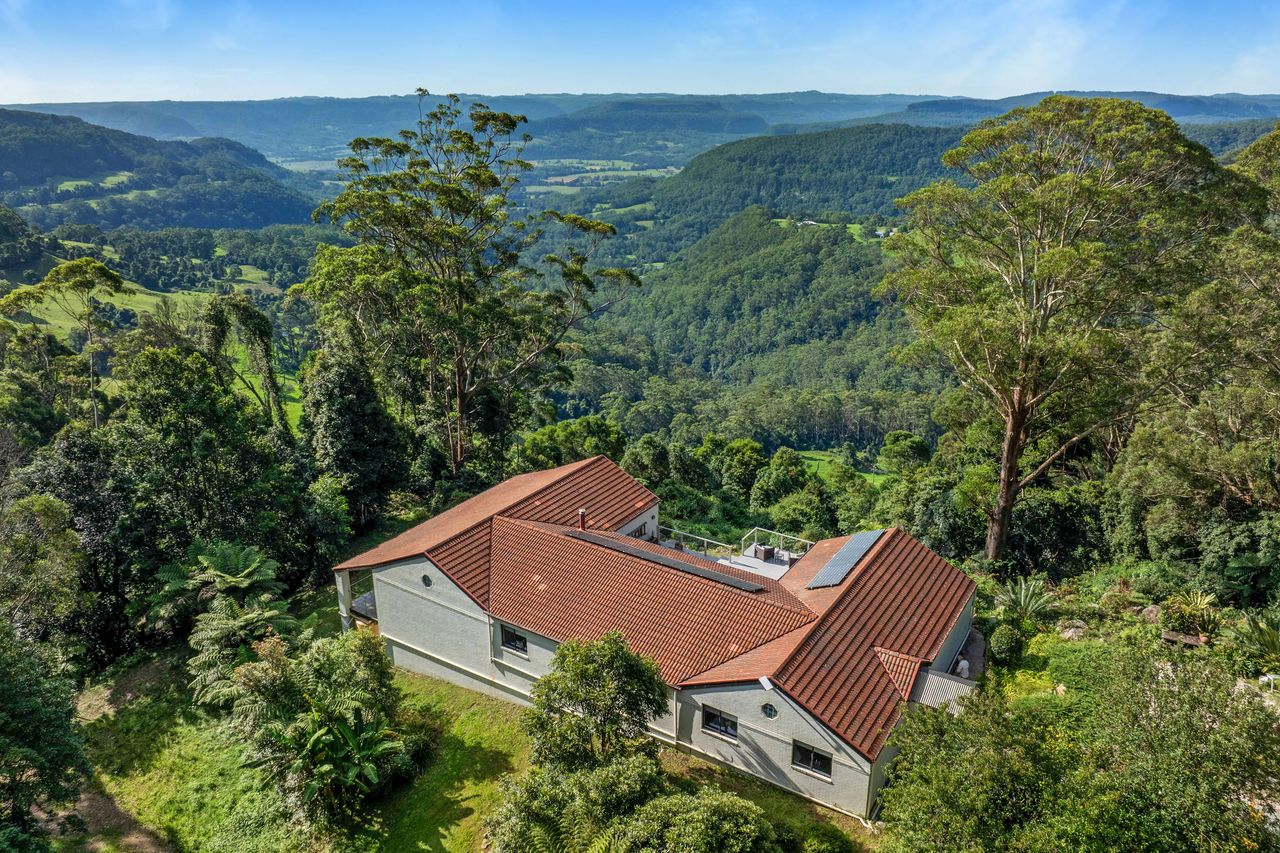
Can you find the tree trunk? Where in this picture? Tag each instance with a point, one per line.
(1015, 438)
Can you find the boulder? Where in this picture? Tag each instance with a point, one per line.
(1073, 629)
(1151, 613)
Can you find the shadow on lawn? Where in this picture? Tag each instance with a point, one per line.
(141, 708)
(421, 816)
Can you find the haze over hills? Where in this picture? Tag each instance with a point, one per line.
(63, 169)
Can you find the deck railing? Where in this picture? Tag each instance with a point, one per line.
(701, 544)
(796, 545)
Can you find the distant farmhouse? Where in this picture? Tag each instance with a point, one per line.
(791, 667)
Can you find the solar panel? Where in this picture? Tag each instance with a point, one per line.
(843, 561)
(664, 560)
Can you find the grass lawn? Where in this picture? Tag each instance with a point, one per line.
(820, 462)
(138, 298)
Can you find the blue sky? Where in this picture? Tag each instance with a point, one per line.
(52, 50)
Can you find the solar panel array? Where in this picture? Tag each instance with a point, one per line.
(664, 560)
(843, 561)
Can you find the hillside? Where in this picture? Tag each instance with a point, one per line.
(316, 130)
(63, 169)
(849, 173)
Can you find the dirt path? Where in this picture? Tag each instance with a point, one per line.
(107, 826)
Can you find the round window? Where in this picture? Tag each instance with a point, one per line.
(768, 710)
(426, 580)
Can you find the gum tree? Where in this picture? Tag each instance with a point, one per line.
(438, 294)
(1044, 278)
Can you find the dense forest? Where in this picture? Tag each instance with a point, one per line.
(818, 333)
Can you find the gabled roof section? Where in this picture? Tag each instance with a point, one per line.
(902, 598)
(457, 540)
(554, 584)
(902, 669)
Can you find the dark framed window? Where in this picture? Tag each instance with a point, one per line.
(813, 760)
(515, 641)
(719, 722)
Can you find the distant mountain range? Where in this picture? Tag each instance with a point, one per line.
(648, 129)
(56, 169)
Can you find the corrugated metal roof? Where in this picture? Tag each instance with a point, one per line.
(939, 690)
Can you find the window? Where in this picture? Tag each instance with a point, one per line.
(514, 641)
(641, 531)
(769, 710)
(719, 722)
(808, 758)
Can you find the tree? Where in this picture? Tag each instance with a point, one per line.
(710, 821)
(41, 753)
(568, 441)
(1043, 283)
(436, 289)
(74, 288)
(548, 809)
(647, 459)
(902, 451)
(225, 314)
(216, 568)
(350, 433)
(594, 704)
(1172, 756)
(40, 565)
(785, 473)
(328, 724)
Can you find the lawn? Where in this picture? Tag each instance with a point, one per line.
(820, 462)
(138, 298)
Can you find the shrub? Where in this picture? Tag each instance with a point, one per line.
(827, 839)
(1191, 612)
(712, 821)
(1006, 645)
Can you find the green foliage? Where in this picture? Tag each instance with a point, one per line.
(1191, 612)
(902, 452)
(436, 284)
(212, 569)
(1006, 644)
(1086, 218)
(41, 753)
(1169, 758)
(648, 460)
(737, 464)
(40, 565)
(711, 821)
(567, 441)
(352, 437)
(594, 704)
(1259, 637)
(786, 473)
(571, 811)
(1024, 600)
(328, 724)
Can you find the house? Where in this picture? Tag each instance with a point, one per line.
(794, 669)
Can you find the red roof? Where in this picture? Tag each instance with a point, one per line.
(547, 581)
(849, 653)
(457, 540)
(901, 598)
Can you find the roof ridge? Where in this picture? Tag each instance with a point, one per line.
(872, 553)
(578, 465)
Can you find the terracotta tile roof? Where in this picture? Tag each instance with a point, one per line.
(902, 669)
(849, 653)
(902, 598)
(561, 587)
(457, 540)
